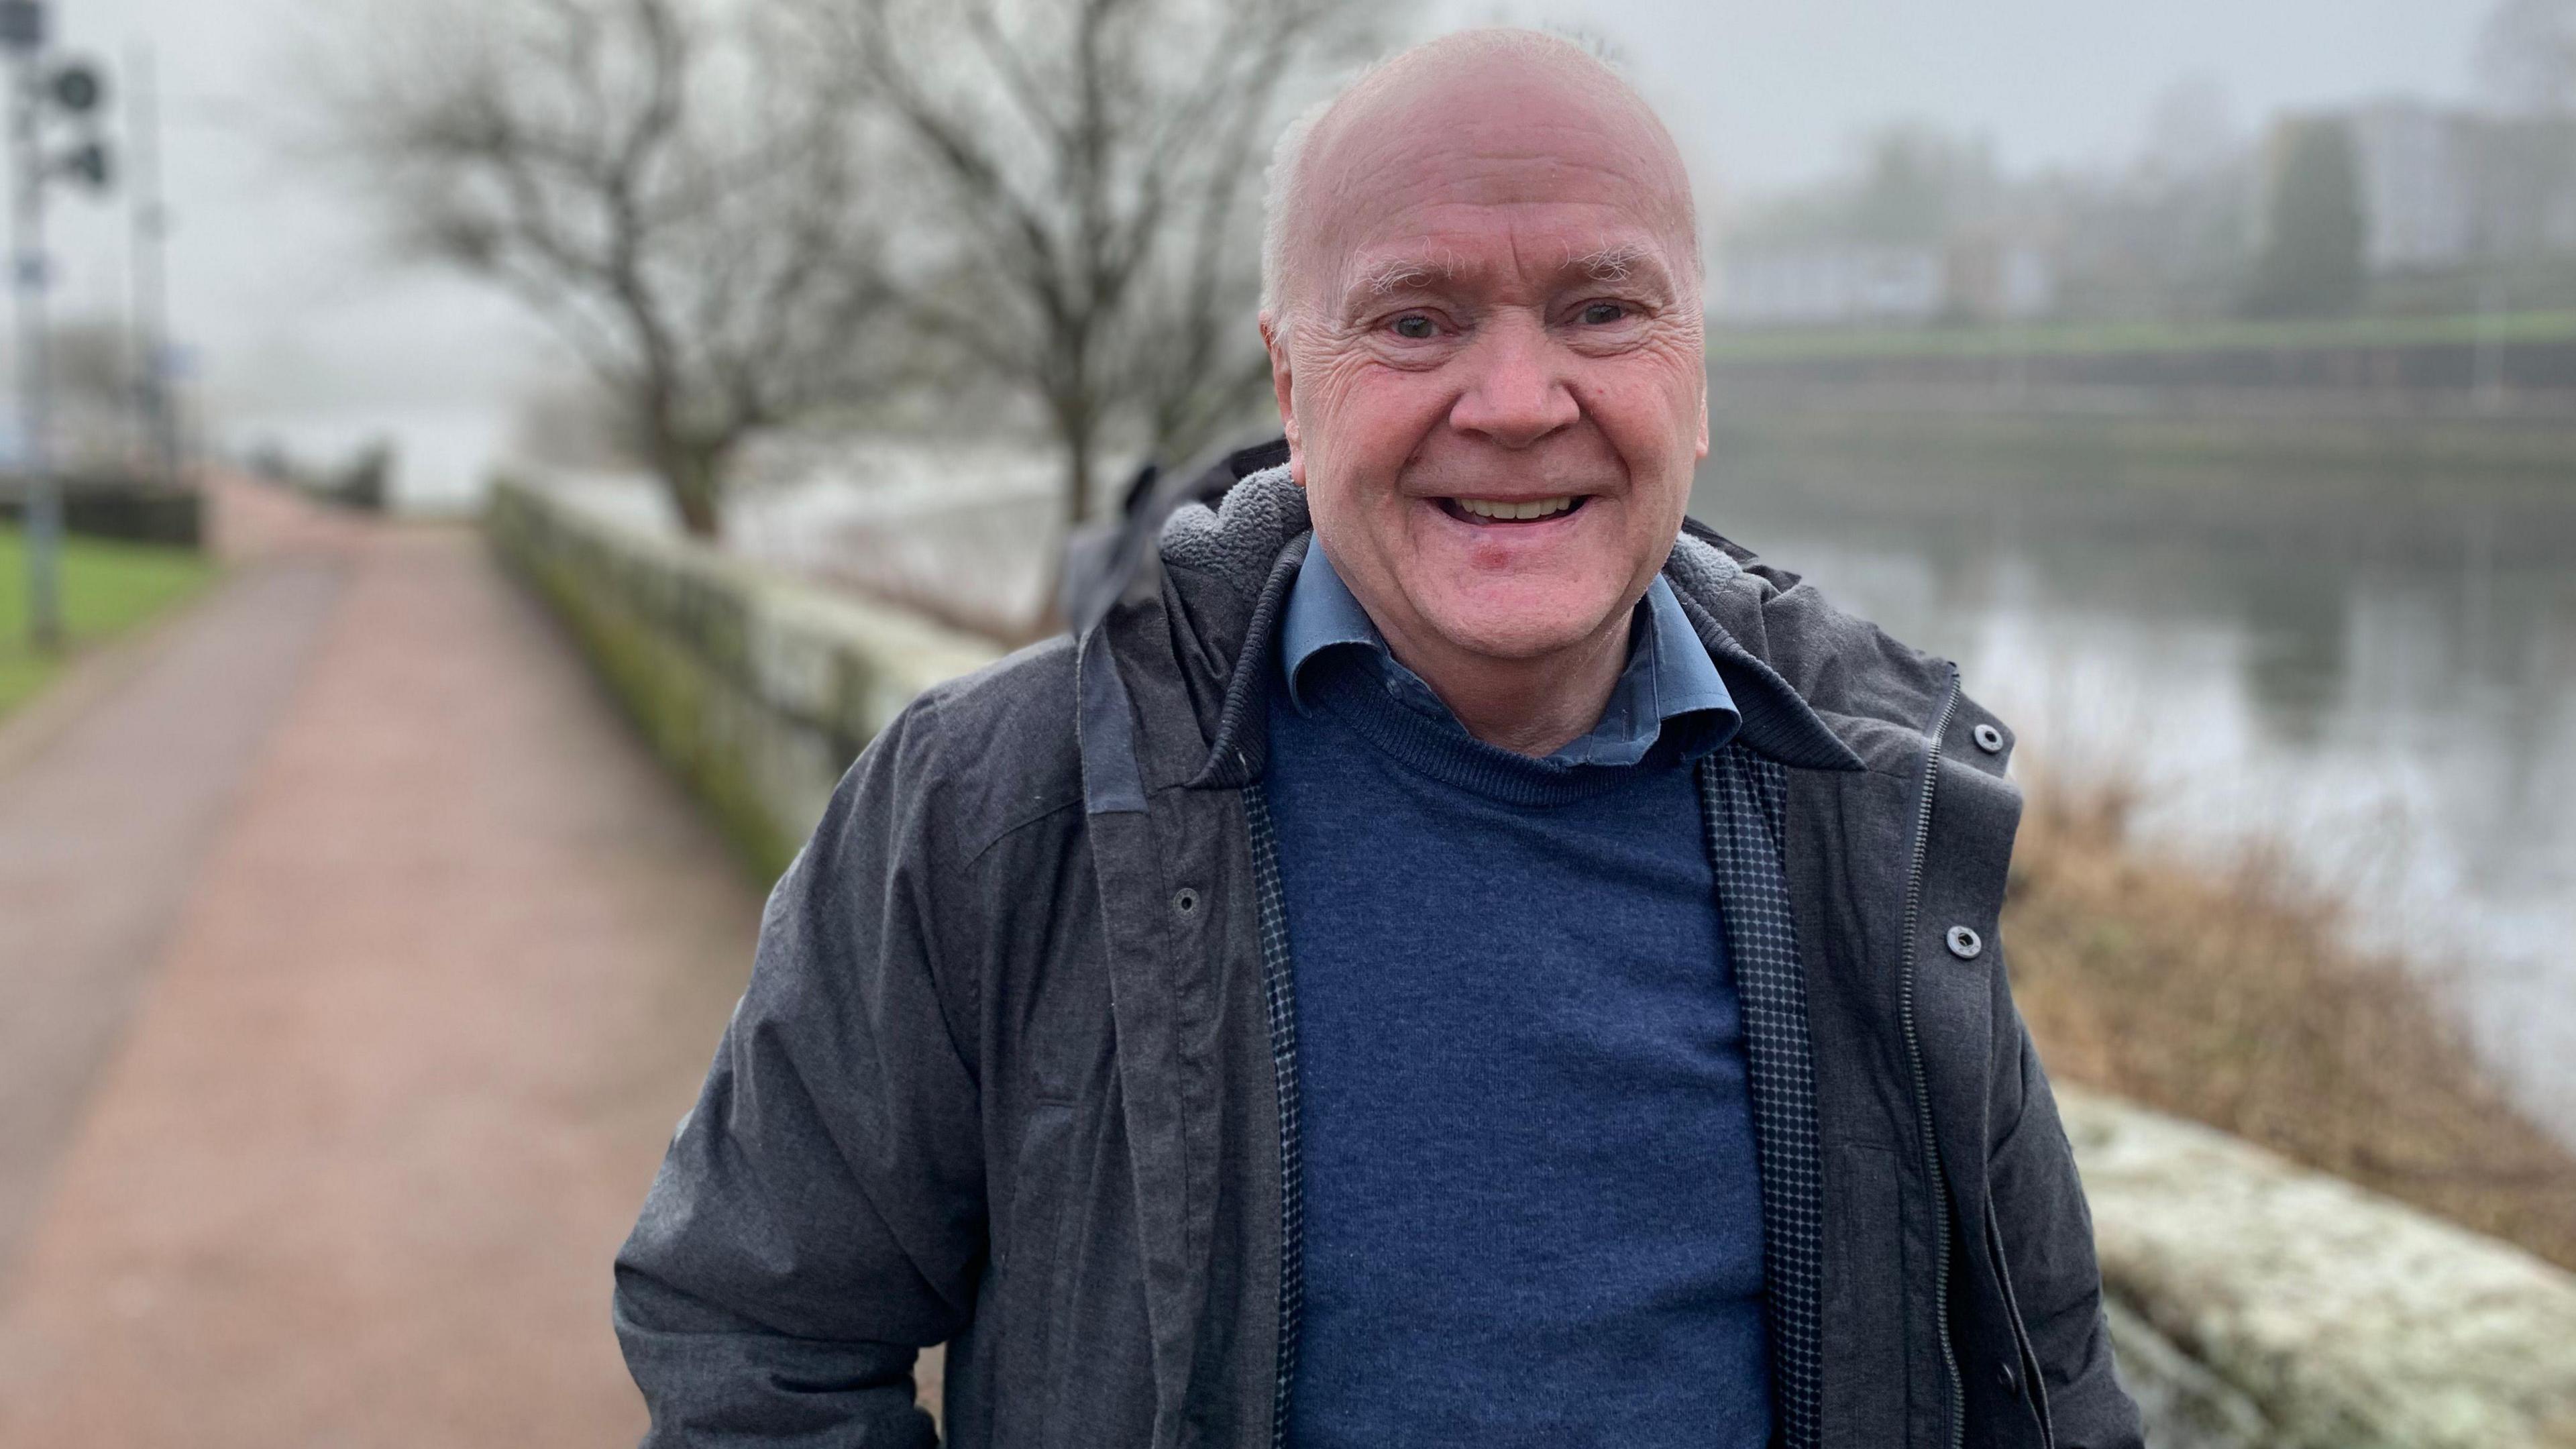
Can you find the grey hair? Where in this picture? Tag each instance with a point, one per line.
(1287, 185)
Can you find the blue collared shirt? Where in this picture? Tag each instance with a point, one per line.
(1669, 681)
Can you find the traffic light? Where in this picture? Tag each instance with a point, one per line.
(22, 24)
(78, 88)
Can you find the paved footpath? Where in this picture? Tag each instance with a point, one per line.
(355, 961)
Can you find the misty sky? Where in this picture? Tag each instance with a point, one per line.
(1772, 90)
(301, 330)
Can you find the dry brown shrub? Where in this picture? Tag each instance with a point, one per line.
(2230, 999)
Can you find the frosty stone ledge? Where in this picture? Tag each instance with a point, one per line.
(2306, 1311)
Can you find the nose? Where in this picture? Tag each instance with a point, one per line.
(1516, 393)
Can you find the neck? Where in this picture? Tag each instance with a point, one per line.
(1532, 707)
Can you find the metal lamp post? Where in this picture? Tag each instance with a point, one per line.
(74, 91)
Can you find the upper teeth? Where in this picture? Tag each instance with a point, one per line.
(1535, 508)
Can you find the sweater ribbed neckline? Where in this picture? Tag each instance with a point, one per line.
(1357, 697)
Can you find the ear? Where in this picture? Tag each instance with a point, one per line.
(1274, 337)
(1703, 422)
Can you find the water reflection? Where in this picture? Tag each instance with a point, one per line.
(2376, 668)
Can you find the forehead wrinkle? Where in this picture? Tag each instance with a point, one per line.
(1496, 183)
(1488, 167)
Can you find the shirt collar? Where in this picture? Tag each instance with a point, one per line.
(1669, 676)
(1322, 612)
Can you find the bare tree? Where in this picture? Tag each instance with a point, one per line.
(2527, 55)
(637, 173)
(2316, 235)
(1091, 186)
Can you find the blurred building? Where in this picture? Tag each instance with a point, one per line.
(2449, 196)
(1991, 278)
(1828, 284)
(1839, 284)
(2416, 164)
(2446, 187)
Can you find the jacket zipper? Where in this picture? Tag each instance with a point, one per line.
(1914, 1055)
(1278, 991)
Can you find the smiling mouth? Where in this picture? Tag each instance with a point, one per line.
(1493, 511)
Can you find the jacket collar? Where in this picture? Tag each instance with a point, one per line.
(1667, 684)
(1227, 572)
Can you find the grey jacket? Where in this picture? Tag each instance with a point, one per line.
(1005, 1076)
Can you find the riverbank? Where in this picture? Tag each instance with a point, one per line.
(2448, 391)
(2084, 434)
(2229, 998)
(2215, 335)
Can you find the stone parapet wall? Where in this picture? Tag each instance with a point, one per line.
(759, 689)
(2260, 1305)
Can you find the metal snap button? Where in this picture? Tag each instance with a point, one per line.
(1964, 943)
(1989, 739)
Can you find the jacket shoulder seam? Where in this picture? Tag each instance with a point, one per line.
(975, 858)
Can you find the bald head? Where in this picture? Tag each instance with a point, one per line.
(1489, 112)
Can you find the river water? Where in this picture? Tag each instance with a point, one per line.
(2374, 670)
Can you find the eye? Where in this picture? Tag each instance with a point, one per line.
(1414, 327)
(1602, 314)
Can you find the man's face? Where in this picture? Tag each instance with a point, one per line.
(1491, 367)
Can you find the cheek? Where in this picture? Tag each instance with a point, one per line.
(1649, 410)
(1650, 397)
(1360, 421)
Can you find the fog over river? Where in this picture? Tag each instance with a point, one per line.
(2375, 670)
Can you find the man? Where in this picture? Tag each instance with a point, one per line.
(1452, 958)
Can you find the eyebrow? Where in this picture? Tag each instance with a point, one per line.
(1401, 272)
(1624, 262)
(1614, 264)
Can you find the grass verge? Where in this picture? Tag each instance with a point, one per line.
(106, 588)
(2232, 1001)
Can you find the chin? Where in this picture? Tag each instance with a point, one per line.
(1522, 629)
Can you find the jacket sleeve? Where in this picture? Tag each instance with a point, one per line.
(819, 1217)
(2047, 1243)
